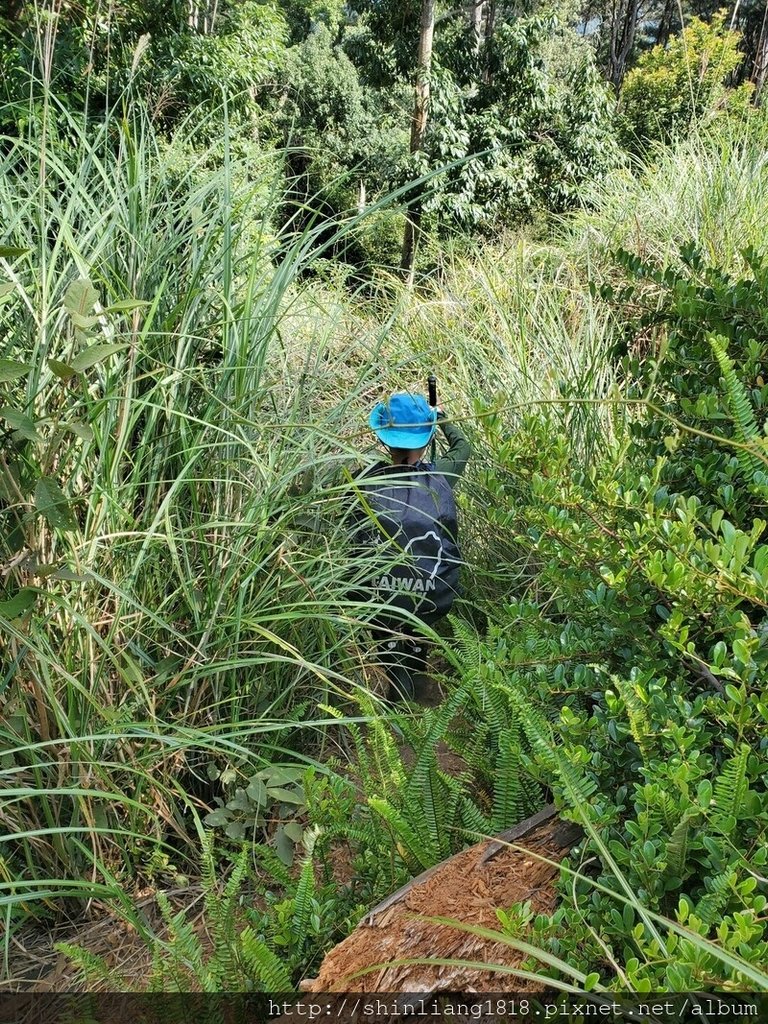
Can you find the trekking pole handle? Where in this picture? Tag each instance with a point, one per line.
(432, 389)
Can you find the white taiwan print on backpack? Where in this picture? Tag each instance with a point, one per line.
(415, 535)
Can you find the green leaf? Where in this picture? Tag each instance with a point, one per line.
(131, 670)
(51, 501)
(45, 570)
(65, 573)
(741, 651)
(257, 792)
(18, 604)
(239, 802)
(10, 483)
(704, 793)
(62, 370)
(126, 305)
(733, 693)
(10, 252)
(168, 666)
(294, 831)
(85, 323)
(280, 776)
(217, 818)
(94, 354)
(80, 297)
(22, 424)
(286, 796)
(81, 430)
(283, 846)
(11, 370)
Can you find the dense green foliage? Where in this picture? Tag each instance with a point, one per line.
(539, 118)
(675, 86)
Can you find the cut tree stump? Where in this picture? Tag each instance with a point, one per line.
(468, 887)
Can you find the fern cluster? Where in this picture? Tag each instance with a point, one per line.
(751, 453)
(231, 948)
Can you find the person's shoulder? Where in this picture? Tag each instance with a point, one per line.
(436, 471)
(370, 469)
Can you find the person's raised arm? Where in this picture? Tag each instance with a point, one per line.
(454, 462)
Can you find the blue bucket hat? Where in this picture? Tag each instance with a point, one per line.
(404, 421)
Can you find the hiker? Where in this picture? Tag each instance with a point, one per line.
(415, 511)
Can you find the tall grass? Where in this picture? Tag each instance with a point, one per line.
(200, 603)
(711, 188)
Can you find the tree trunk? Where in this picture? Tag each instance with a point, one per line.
(623, 28)
(665, 24)
(419, 126)
(490, 24)
(475, 13)
(490, 21)
(212, 15)
(760, 67)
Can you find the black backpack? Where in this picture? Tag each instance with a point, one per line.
(414, 534)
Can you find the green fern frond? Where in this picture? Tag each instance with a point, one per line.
(474, 748)
(409, 843)
(532, 791)
(667, 810)
(437, 815)
(234, 884)
(577, 788)
(535, 643)
(744, 422)
(379, 764)
(225, 965)
(184, 951)
(508, 797)
(468, 644)
(677, 845)
(473, 820)
(207, 862)
(94, 969)
(730, 790)
(422, 811)
(494, 706)
(361, 750)
(302, 903)
(364, 836)
(438, 727)
(712, 903)
(272, 865)
(639, 723)
(264, 965)
(454, 788)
